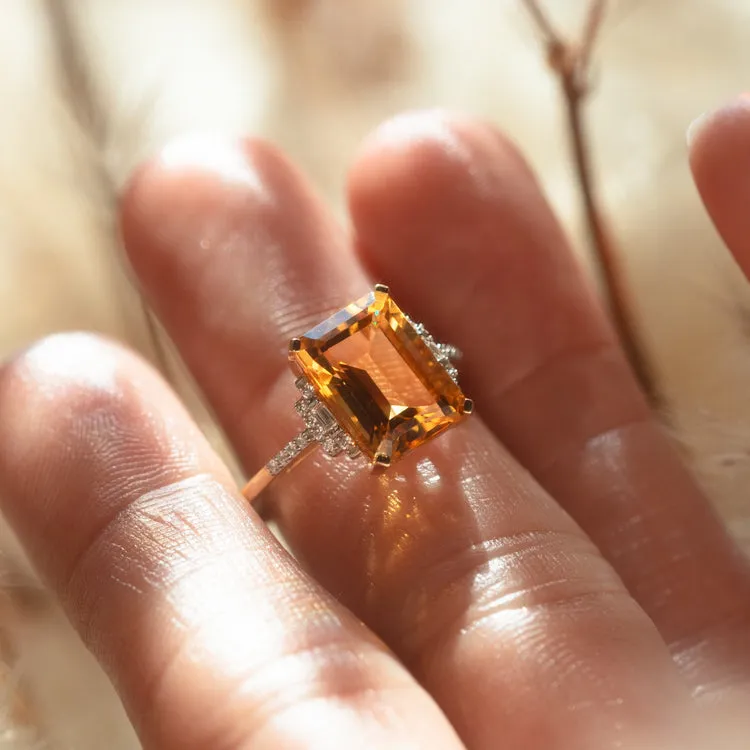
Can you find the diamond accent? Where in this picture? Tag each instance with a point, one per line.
(446, 354)
(320, 427)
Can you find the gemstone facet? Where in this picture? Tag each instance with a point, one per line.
(379, 378)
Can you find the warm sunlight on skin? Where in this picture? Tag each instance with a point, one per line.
(545, 574)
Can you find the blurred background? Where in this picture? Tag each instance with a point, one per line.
(89, 89)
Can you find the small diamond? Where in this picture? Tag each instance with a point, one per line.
(332, 447)
(323, 418)
(304, 406)
(351, 448)
(303, 385)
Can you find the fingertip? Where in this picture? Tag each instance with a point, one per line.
(205, 220)
(449, 201)
(714, 134)
(420, 163)
(172, 196)
(58, 377)
(204, 194)
(719, 151)
(434, 187)
(75, 410)
(696, 127)
(432, 132)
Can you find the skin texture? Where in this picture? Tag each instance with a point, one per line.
(546, 575)
(598, 451)
(174, 587)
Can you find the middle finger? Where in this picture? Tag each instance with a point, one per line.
(550, 375)
(455, 548)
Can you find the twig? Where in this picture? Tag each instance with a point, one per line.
(571, 62)
(81, 94)
(542, 22)
(593, 23)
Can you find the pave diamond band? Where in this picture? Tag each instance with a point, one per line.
(372, 383)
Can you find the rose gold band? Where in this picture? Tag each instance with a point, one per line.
(254, 490)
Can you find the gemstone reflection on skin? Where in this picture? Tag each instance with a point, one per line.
(379, 378)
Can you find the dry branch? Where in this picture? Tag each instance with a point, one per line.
(571, 62)
(81, 95)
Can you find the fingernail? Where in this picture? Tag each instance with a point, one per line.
(696, 127)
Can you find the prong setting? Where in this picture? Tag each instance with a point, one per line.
(384, 454)
(382, 288)
(323, 428)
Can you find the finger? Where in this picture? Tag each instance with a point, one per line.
(499, 604)
(210, 632)
(451, 203)
(719, 144)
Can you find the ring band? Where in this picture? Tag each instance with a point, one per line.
(373, 384)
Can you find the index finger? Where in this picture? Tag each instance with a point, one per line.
(212, 635)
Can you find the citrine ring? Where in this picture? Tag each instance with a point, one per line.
(373, 384)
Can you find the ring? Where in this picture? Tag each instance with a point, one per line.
(373, 384)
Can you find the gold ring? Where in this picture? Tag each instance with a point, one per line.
(373, 384)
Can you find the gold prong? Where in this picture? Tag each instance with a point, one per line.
(468, 406)
(382, 460)
(384, 453)
(382, 288)
(295, 345)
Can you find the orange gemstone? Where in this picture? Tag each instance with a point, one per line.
(379, 378)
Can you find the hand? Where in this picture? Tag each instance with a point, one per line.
(547, 575)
